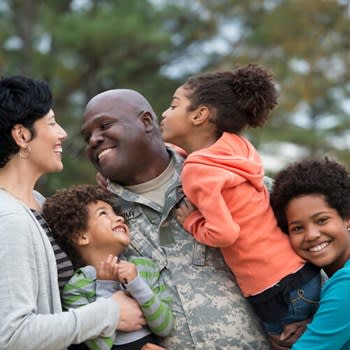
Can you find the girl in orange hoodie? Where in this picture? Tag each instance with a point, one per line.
(228, 203)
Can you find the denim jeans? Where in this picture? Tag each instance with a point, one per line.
(303, 303)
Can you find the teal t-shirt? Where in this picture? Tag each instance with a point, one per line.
(330, 327)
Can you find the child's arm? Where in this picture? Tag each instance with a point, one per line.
(212, 224)
(79, 291)
(150, 291)
(330, 327)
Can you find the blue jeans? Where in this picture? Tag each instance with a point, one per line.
(303, 303)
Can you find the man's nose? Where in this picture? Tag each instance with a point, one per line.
(95, 138)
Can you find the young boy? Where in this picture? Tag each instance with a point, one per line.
(86, 226)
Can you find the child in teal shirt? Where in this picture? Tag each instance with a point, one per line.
(311, 200)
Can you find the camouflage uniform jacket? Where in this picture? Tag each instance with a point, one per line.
(209, 308)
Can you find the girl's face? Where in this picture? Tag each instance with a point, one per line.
(46, 145)
(176, 126)
(317, 232)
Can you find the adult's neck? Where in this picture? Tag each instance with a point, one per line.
(153, 163)
(19, 181)
(159, 160)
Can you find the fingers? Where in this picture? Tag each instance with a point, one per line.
(150, 346)
(131, 317)
(189, 204)
(127, 271)
(108, 269)
(292, 332)
(101, 180)
(184, 210)
(275, 343)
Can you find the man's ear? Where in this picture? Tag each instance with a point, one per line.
(201, 115)
(147, 120)
(83, 239)
(21, 135)
(347, 222)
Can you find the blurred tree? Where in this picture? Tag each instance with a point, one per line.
(306, 45)
(87, 46)
(82, 47)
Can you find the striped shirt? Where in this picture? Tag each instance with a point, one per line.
(148, 289)
(64, 265)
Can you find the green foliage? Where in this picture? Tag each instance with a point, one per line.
(83, 51)
(306, 46)
(103, 44)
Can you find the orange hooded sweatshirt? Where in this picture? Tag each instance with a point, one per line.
(226, 183)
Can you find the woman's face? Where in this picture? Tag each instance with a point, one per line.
(317, 232)
(46, 146)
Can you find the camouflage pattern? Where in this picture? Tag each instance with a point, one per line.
(210, 311)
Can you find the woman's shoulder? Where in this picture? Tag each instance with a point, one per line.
(9, 204)
(13, 212)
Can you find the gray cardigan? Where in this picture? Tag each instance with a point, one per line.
(30, 307)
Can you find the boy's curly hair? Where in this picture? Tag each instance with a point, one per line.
(242, 97)
(311, 176)
(66, 213)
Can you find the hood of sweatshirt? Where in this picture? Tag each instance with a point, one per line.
(234, 154)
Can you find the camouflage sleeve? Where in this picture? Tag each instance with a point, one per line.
(153, 296)
(79, 291)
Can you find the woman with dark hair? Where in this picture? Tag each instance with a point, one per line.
(30, 307)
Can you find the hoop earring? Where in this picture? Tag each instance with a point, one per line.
(25, 152)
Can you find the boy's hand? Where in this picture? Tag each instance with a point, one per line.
(184, 211)
(126, 271)
(108, 269)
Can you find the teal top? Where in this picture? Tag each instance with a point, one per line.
(330, 327)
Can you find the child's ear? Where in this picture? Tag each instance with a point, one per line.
(83, 239)
(201, 115)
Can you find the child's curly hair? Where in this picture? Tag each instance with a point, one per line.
(66, 213)
(311, 176)
(242, 97)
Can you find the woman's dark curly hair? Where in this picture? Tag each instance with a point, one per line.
(66, 213)
(311, 176)
(238, 98)
(22, 101)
